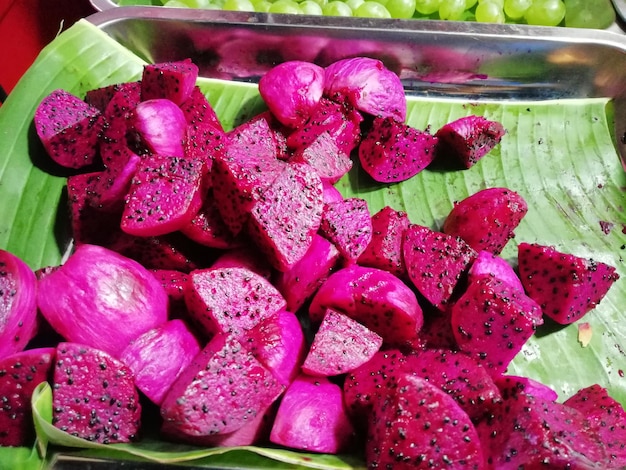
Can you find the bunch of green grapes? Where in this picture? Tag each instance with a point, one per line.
(535, 12)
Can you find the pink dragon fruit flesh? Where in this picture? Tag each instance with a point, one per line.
(18, 304)
(94, 395)
(565, 285)
(102, 299)
(20, 373)
(174, 80)
(69, 129)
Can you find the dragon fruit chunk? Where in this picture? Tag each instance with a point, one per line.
(102, 299)
(208, 228)
(565, 285)
(488, 264)
(370, 381)
(113, 183)
(435, 262)
(20, 373)
(244, 170)
(384, 251)
(458, 374)
(162, 126)
(486, 220)
(299, 283)
(198, 111)
(525, 432)
(436, 333)
(492, 321)
(175, 283)
(325, 156)
(367, 85)
(348, 224)
(339, 122)
(513, 385)
(174, 81)
(18, 304)
(312, 417)
(340, 345)
(392, 151)
(468, 139)
(278, 343)
(420, 426)
(607, 418)
(230, 300)
(330, 193)
(69, 129)
(375, 298)
(94, 395)
(158, 356)
(245, 256)
(165, 195)
(235, 388)
(291, 90)
(287, 215)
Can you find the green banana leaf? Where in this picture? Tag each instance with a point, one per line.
(558, 155)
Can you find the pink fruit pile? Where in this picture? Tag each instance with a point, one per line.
(221, 276)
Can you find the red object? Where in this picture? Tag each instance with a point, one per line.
(26, 26)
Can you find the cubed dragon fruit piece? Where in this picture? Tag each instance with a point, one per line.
(175, 283)
(245, 256)
(291, 90)
(492, 321)
(566, 286)
(330, 193)
(208, 228)
(488, 264)
(367, 85)
(162, 126)
(164, 196)
(392, 151)
(102, 299)
(94, 395)
(375, 298)
(244, 170)
(435, 262)
(235, 388)
(287, 215)
(607, 417)
(436, 333)
(340, 121)
(20, 373)
(18, 304)
(419, 426)
(348, 224)
(158, 357)
(340, 345)
(468, 139)
(312, 417)
(111, 185)
(69, 129)
(174, 80)
(199, 112)
(278, 343)
(301, 281)
(525, 432)
(384, 251)
(513, 385)
(326, 158)
(486, 220)
(230, 300)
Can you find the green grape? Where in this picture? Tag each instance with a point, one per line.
(469, 4)
(309, 7)
(545, 12)
(197, 3)
(400, 8)
(451, 9)
(321, 2)
(500, 3)
(336, 8)
(515, 9)
(261, 6)
(370, 9)
(427, 7)
(354, 4)
(238, 5)
(596, 14)
(489, 12)
(285, 6)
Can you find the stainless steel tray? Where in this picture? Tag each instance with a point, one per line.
(472, 61)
